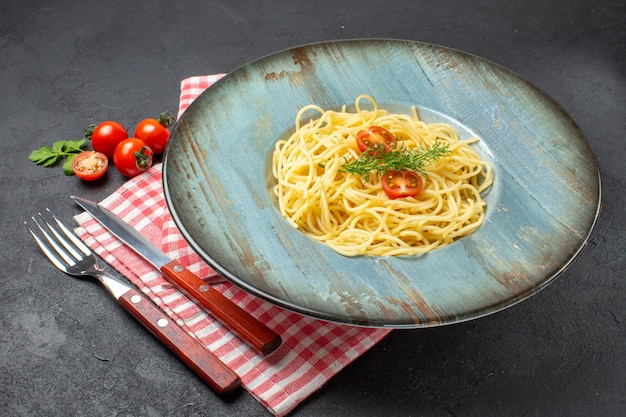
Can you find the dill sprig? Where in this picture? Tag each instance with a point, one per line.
(377, 159)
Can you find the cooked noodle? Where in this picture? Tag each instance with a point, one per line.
(353, 215)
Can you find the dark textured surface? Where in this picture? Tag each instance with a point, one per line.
(68, 349)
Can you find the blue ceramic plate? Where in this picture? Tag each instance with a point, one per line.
(541, 208)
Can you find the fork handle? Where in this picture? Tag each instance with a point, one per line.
(200, 360)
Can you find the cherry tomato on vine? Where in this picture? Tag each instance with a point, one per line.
(90, 165)
(132, 157)
(375, 136)
(155, 132)
(106, 136)
(403, 183)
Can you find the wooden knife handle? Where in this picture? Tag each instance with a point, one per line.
(199, 359)
(263, 339)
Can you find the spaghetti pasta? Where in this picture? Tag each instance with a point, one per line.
(351, 213)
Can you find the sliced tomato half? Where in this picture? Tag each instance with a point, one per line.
(90, 165)
(375, 136)
(403, 183)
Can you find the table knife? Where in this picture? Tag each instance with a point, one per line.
(256, 334)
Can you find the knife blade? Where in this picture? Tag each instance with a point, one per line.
(256, 334)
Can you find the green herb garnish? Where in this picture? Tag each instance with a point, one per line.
(49, 156)
(377, 159)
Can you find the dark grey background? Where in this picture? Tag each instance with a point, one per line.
(69, 350)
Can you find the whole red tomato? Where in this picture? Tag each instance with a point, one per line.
(106, 136)
(132, 157)
(155, 132)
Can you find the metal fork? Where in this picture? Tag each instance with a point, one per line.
(69, 254)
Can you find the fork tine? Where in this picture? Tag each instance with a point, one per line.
(68, 258)
(71, 236)
(75, 241)
(53, 257)
(62, 241)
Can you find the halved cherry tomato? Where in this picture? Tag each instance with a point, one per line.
(90, 165)
(155, 132)
(106, 136)
(375, 136)
(403, 183)
(132, 157)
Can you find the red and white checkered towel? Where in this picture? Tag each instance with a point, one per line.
(312, 350)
